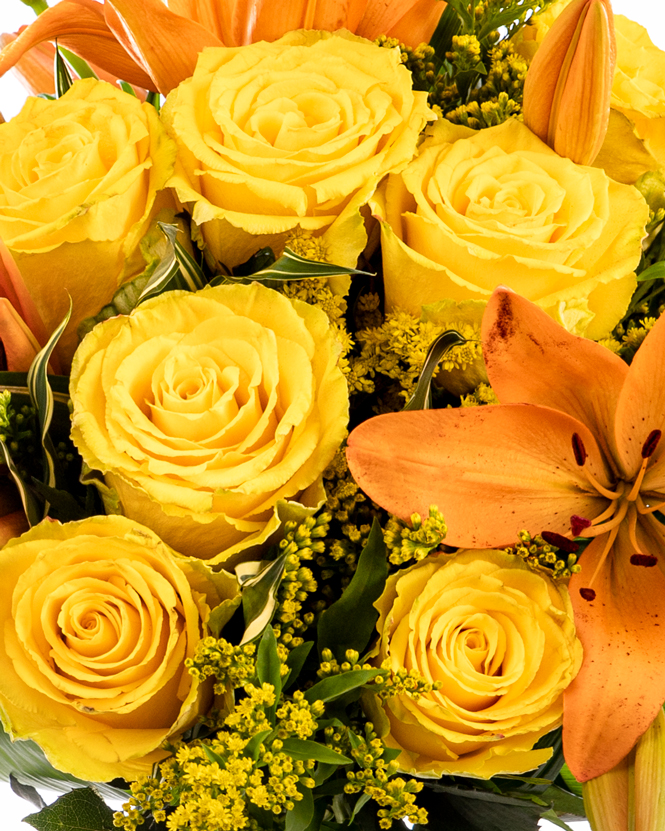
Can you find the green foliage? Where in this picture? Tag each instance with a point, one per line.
(63, 79)
(79, 810)
(349, 622)
(422, 396)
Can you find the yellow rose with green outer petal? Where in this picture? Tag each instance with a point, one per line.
(81, 178)
(479, 209)
(97, 619)
(501, 641)
(295, 134)
(212, 415)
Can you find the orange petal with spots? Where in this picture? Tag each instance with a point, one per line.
(532, 359)
(492, 471)
(621, 685)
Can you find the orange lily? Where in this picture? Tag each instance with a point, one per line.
(35, 69)
(160, 45)
(574, 448)
(569, 83)
(22, 332)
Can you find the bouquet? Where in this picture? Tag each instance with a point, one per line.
(332, 394)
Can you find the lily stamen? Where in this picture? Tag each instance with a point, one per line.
(647, 509)
(581, 455)
(608, 547)
(648, 449)
(604, 527)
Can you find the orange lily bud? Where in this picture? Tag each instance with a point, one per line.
(568, 85)
(631, 795)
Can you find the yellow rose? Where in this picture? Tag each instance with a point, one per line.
(207, 411)
(476, 210)
(98, 617)
(295, 134)
(79, 179)
(635, 141)
(500, 638)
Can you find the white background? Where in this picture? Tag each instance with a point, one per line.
(650, 13)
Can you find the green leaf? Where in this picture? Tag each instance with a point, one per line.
(349, 622)
(564, 802)
(30, 506)
(654, 272)
(362, 800)
(177, 269)
(323, 771)
(154, 99)
(338, 685)
(422, 396)
(38, 6)
(448, 26)
(214, 757)
(79, 810)
(63, 80)
(259, 583)
(300, 816)
(268, 665)
(128, 88)
(251, 749)
(26, 792)
(555, 820)
(571, 783)
(41, 396)
(27, 760)
(290, 266)
(221, 615)
(304, 749)
(63, 506)
(81, 67)
(295, 662)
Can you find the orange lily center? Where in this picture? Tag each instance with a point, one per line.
(626, 504)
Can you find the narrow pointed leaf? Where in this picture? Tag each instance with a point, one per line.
(63, 80)
(41, 396)
(338, 685)
(291, 266)
(295, 662)
(349, 622)
(422, 396)
(304, 749)
(259, 591)
(300, 816)
(268, 665)
(30, 507)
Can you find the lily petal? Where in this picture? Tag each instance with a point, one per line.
(410, 22)
(18, 342)
(274, 20)
(35, 69)
(641, 408)
(143, 29)
(79, 25)
(621, 685)
(512, 464)
(13, 288)
(520, 343)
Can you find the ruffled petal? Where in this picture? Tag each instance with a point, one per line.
(621, 685)
(79, 25)
(492, 471)
(641, 408)
(532, 359)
